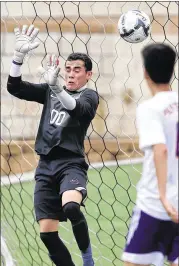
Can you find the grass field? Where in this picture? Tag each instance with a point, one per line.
(111, 197)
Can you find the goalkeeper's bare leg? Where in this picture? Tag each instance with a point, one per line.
(58, 252)
(71, 201)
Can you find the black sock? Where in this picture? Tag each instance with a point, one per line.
(58, 252)
(79, 224)
(80, 230)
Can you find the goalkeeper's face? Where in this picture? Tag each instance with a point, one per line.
(76, 75)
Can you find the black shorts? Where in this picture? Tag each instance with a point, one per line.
(53, 177)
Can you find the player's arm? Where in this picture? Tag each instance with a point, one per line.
(151, 134)
(26, 90)
(86, 105)
(160, 160)
(15, 85)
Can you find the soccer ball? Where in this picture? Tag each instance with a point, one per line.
(134, 26)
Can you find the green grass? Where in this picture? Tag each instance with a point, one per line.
(111, 197)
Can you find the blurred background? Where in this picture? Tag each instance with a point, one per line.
(89, 27)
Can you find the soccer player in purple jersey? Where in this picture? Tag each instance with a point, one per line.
(154, 234)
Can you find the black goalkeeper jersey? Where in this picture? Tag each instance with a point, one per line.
(58, 126)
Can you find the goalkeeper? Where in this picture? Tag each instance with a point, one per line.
(61, 175)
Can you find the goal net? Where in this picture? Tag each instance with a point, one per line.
(111, 143)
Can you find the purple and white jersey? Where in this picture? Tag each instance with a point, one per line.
(157, 120)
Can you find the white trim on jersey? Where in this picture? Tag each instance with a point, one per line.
(134, 224)
(80, 188)
(156, 258)
(176, 261)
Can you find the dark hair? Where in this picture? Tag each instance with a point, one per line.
(83, 57)
(159, 61)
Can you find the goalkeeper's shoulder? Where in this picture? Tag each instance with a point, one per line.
(91, 94)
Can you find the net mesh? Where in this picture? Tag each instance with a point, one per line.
(89, 27)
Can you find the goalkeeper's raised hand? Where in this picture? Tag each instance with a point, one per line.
(24, 42)
(50, 74)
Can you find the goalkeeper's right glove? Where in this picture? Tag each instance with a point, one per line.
(24, 42)
(50, 74)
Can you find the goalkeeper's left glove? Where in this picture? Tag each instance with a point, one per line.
(24, 42)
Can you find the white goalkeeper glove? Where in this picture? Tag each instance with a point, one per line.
(50, 74)
(24, 42)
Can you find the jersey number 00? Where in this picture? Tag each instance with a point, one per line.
(57, 117)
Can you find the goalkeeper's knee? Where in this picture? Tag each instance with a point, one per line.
(73, 212)
(79, 224)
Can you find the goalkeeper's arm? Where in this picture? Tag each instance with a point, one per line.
(15, 86)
